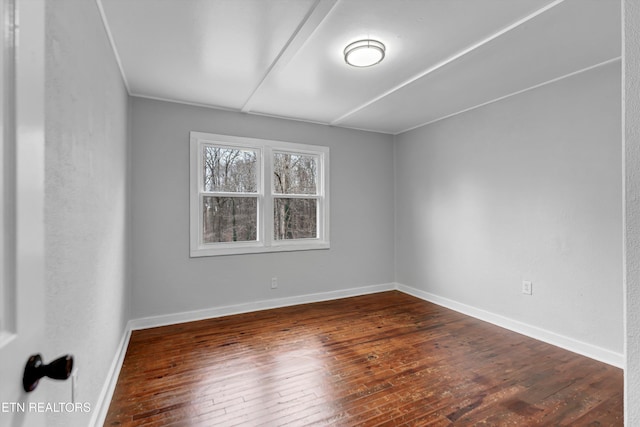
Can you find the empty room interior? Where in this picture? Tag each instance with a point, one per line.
(321, 212)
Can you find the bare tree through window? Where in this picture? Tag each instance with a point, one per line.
(251, 195)
(232, 172)
(294, 177)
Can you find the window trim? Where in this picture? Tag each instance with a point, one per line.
(265, 242)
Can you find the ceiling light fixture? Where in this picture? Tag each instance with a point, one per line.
(364, 53)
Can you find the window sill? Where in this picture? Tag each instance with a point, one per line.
(258, 249)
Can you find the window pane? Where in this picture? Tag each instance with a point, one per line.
(229, 169)
(229, 219)
(295, 218)
(294, 173)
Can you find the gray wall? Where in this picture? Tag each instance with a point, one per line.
(527, 188)
(86, 200)
(632, 209)
(166, 280)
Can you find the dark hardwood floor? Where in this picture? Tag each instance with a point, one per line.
(382, 359)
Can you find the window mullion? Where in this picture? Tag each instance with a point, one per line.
(296, 196)
(223, 194)
(267, 191)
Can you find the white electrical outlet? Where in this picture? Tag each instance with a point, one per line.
(274, 283)
(527, 287)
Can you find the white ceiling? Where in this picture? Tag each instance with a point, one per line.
(284, 57)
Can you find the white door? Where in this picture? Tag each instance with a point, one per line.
(22, 289)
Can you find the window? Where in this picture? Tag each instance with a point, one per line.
(253, 195)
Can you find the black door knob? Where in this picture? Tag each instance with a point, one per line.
(59, 369)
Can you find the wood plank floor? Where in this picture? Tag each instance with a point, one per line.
(382, 359)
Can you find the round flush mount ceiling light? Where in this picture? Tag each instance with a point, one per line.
(364, 53)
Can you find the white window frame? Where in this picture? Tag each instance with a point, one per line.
(265, 241)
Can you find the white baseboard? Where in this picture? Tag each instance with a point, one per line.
(209, 313)
(585, 349)
(102, 405)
